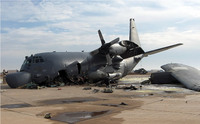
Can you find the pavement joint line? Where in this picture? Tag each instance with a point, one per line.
(18, 100)
(24, 113)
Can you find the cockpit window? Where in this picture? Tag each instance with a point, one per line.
(33, 59)
(27, 61)
(37, 59)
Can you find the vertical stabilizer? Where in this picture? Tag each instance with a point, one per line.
(133, 36)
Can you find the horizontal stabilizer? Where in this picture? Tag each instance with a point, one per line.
(161, 49)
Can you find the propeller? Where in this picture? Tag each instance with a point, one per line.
(104, 49)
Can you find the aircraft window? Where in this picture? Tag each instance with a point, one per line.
(27, 61)
(41, 60)
(38, 59)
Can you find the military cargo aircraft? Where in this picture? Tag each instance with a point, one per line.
(106, 64)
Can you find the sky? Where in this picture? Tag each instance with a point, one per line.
(35, 26)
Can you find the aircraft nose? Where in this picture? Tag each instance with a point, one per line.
(18, 79)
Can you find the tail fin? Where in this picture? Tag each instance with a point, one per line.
(133, 36)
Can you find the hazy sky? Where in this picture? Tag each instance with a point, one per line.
(34, 26)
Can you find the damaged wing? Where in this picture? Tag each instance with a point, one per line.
(188, 76)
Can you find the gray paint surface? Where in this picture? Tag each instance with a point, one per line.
(187, 75)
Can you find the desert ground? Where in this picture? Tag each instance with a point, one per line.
(149, 104)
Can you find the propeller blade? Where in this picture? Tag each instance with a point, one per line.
(101, 37)
(114, 41)
(109, 60)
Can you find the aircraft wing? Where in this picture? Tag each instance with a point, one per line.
(161, 49)
(188, 76)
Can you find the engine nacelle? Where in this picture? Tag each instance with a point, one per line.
(122, 47)
(117, 49)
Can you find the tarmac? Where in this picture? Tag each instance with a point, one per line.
(149, 104)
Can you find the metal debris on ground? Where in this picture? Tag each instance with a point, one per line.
(107, 90)
(95, 90)
(131, 88)
(31, 86)
(146, 82)
(122, 103)
(59, 89)
(87, 88)
(47, 115)
(151, 94)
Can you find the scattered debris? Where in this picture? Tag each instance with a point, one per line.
(145, 82)
(130, 88)
(120, 86)
(151, 94)
(107, 90)
(62, 84)
(53, 85)
(38, 87)
(59, 89)
(31, 86)
(122, 103)
(95, 90)
(47, 115)
(87, 88)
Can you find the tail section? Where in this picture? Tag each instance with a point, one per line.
(133, 36)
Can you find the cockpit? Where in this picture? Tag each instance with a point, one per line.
(31, 60)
